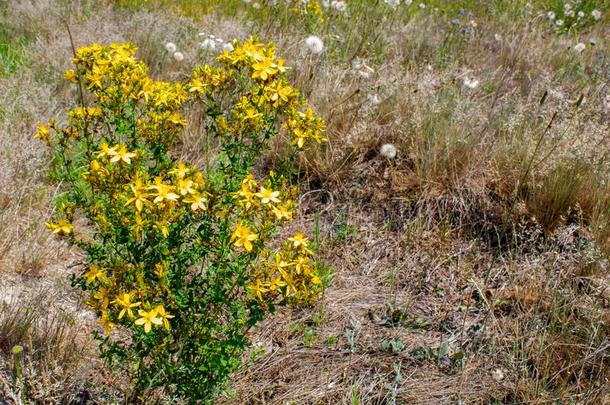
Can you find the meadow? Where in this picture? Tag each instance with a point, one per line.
(459, 205)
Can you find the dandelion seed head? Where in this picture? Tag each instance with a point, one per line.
(373, 99)
(388, 150)
(314, 44)
(178, 56)
(579, 47)
(596, 14)
(471, 83)
(392, 3)
(170, 47)
(340, 6)
(208, 45)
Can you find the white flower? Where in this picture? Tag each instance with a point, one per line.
(392, 3)
(471, 84)
(551, 15)
(314, 44)
(581, 14)
(388, 150)
(422, 5)
(256, 6)
(498, 374)
(408, 2)
(569, 13)
(579, 47)
(365, 71)
(228, 47)
(559, 23)
(340, 6)
(362, 69)
(170, 47)
(178, 56)
(373, 99)
(498, 37)
(596, 14)
(208, 45)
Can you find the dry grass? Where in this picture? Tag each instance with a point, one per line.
(472, 268)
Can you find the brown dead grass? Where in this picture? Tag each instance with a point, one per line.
(466, 269)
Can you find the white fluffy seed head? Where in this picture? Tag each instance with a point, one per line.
(314, 44)
(579, 47)
(392, 3)
(208, 45)
(228, 47)
(374, 99)
(596, 14)
(340, 6)
(178, 56)
(170, 47)
(388, 150)
(471, 83)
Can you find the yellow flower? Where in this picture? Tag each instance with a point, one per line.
(122, 154)
(267, 195)
(198, 201)
(108, 325)
(299, 137)
(180, 171)
(43, 133)
(148, 319)
(105, 150)
(70, 75)
(163, 315)
(96, 273)
(279, 93)
(258, 288)
(102, 297)
(160, 270)
(299, 241)
(264, 69)
(140, 196)
(124, 301)
(282, 212)
(185, 186)
(162, 226)
(276, 284)
(164, 192)
(61, 227)
(243, 237)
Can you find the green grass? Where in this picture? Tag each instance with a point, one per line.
(12, 52)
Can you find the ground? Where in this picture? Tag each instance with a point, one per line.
(469, 258)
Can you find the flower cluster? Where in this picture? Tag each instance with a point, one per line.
(177, 255)
(573, 15)
(266, 99)
(287, 274)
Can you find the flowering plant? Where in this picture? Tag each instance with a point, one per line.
(180, 263)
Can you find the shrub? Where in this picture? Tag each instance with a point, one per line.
(181, 262)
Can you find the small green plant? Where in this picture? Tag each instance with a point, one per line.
(180, 258)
